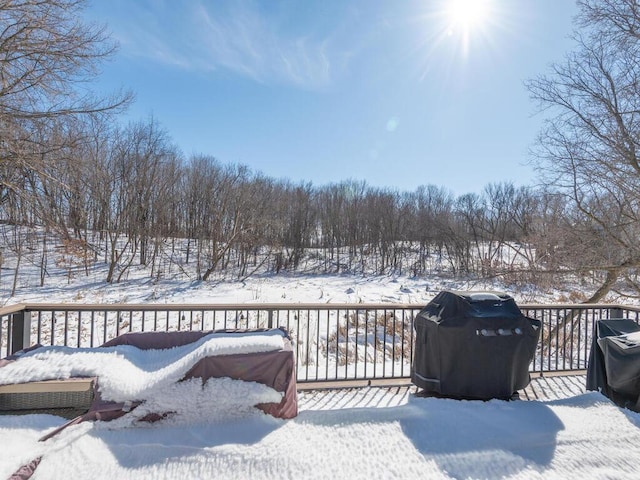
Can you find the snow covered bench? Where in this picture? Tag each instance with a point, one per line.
(158, 374)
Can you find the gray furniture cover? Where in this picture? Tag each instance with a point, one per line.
(475, 345)
(614, 362)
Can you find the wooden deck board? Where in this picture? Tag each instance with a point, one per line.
(332, 396)
(377, 396)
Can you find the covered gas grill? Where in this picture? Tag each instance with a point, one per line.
(475, 345)
(614, 362)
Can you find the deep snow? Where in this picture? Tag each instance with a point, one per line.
(583, 437)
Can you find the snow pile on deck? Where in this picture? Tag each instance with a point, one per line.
(127, 373)
(582, 437)
(189, 402)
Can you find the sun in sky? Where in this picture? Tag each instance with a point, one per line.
(467, 14)
(460, 26)
(467, 19)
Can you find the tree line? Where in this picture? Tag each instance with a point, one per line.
(126, 197)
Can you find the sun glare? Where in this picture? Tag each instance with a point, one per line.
(467, 14)
(460, 28)
(469, 21)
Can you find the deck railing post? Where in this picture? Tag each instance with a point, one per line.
(270, 319)
(615, 312)
(20, 331)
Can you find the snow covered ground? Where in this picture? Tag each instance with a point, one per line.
(283, 288)
(580, 437)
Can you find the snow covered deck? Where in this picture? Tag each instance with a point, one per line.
(366, 433)
(553, 387)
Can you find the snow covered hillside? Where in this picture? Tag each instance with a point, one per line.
(62, 274)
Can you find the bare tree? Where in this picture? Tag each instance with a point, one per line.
(588, 148)
(47, 57)
(433, 213)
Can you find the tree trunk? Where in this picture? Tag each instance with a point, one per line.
(605, 288)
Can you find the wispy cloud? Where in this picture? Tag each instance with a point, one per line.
(255, 40)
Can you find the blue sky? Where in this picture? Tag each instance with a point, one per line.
(395, 93)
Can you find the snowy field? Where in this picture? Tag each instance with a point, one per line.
(283, 288)
(65, 280)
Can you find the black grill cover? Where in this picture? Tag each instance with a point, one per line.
(614, 362)
(473, 345)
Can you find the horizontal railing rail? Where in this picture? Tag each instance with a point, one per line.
(333, 342)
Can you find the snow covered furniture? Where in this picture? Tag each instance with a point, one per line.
(135, 368)
(614, 362)
(475, 345)
(274, 368)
